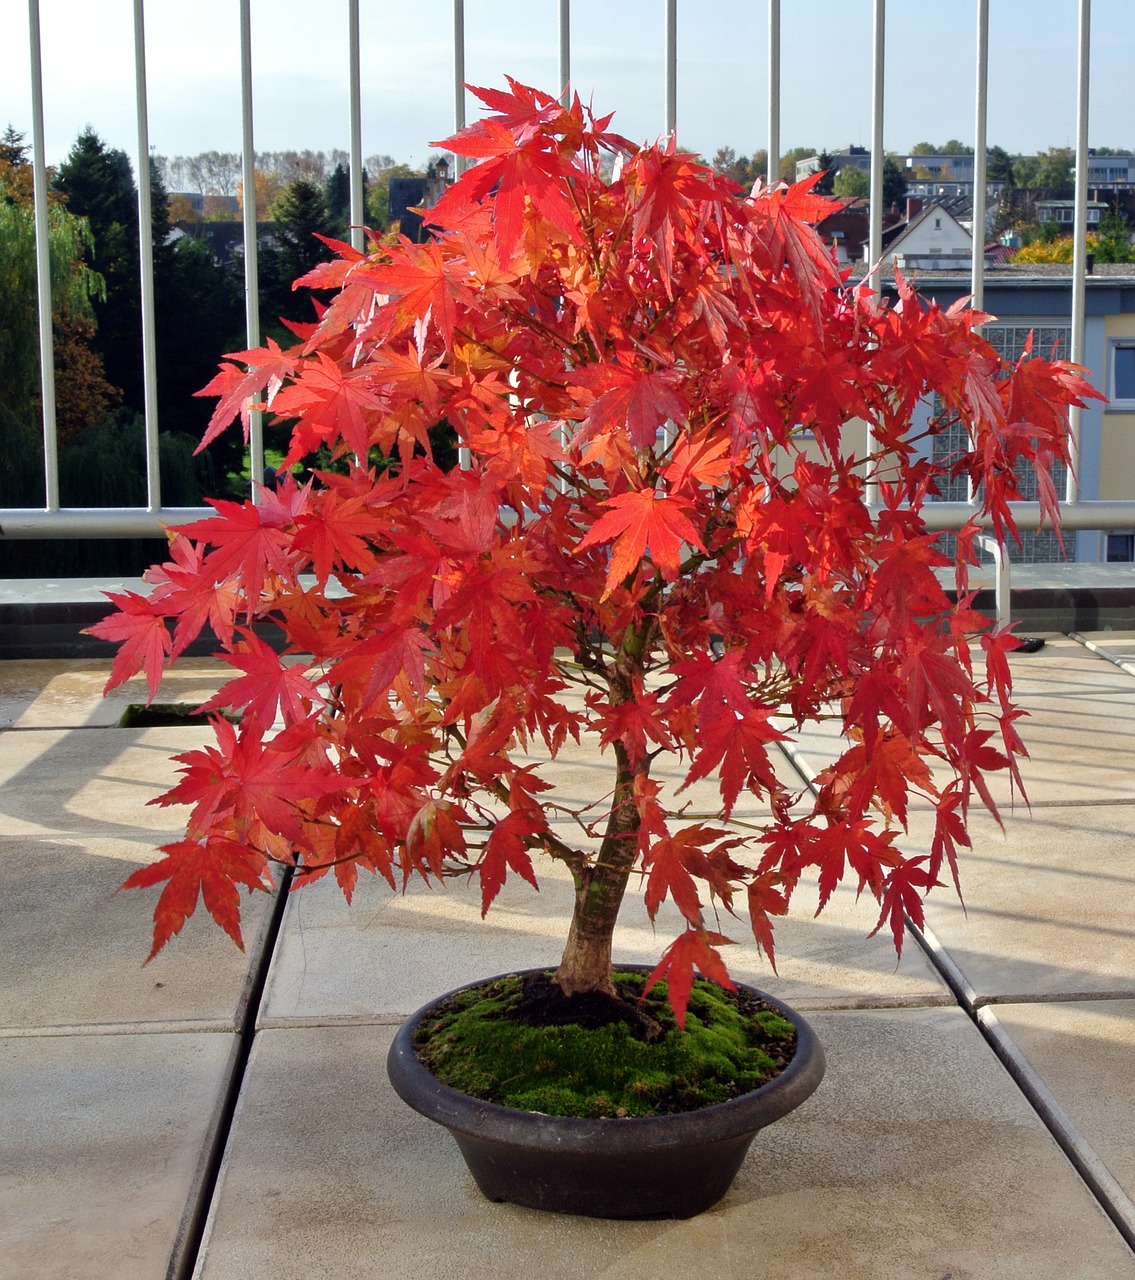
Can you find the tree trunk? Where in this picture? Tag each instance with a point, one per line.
(599, 889)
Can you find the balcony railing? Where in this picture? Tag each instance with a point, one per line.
(55, 521)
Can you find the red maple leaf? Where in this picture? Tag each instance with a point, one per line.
(507, 850)
(330, 403)
(141, 632)
(642, 400)
(183, 590)
(210, 870)
(637, 521)
(694, 947)
(270, 684)
(903, 890)
(267, 368)
(249, 540)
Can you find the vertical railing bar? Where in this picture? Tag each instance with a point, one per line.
(1079, 233)
(464, 456)
(251, 254)
(43, 268)
(772, 164)
(458, 78)
(358, 216)
(981, 112)
(565, 52)
(146, 265)
(875, 231)
(878, 59)
(672, 69)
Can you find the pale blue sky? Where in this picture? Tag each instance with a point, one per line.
(300, 70)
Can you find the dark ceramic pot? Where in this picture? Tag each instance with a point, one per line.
(643, 1167)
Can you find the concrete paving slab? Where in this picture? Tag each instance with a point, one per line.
(72, 948)
(76, 822)
(102, 1139)
(1049, 903)
(1084, 1052)
(68, 693)
(917, 1157)
(97, 782)
(388, 954)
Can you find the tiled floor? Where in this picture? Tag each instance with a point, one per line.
(918, 1157)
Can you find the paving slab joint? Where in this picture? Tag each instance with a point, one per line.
(191, 1230)
(1124, 664)
(1107, 1191)
(1110, 1196)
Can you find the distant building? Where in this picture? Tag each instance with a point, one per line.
(854, 157)
(846, 229)
(929, 239)
(1063, 212)
(1034, 302)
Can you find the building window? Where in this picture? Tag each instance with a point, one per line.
(1121, 382)
(1120, 548)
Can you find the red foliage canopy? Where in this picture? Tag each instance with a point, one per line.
(660, 385)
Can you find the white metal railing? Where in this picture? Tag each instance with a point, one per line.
(54, 521)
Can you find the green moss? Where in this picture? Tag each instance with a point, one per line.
(475, 1045)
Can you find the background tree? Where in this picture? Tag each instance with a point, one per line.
(852, 181)
(999, 166)
(825, 186)
(1113, 240)
(1054, 168)
(894, 184)
(337, 200)
(215, 173)
(1025, 170)
(742, 169)
(98, 183)
(81, 384)
(787, 169)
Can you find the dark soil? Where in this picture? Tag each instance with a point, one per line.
(543, 1004)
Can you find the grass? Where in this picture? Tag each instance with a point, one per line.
(475, 1044)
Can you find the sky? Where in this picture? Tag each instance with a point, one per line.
(300, 71)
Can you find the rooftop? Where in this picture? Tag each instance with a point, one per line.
(227, 1115)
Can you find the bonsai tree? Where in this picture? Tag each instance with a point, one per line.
(658, 542)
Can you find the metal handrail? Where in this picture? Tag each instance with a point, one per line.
(138, 522)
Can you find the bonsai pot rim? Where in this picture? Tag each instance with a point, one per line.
(507, 1149)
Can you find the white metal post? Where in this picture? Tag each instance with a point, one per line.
(981, 111)
(43, 269)
(671, 68)
(772, 163)
(875, 231)
(1079, 232)
(878, 59)
(146, 263)
(358, 214)
(565, 52)
(458, 78)
(251, 279)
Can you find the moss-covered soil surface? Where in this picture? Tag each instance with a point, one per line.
(520, 1043)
